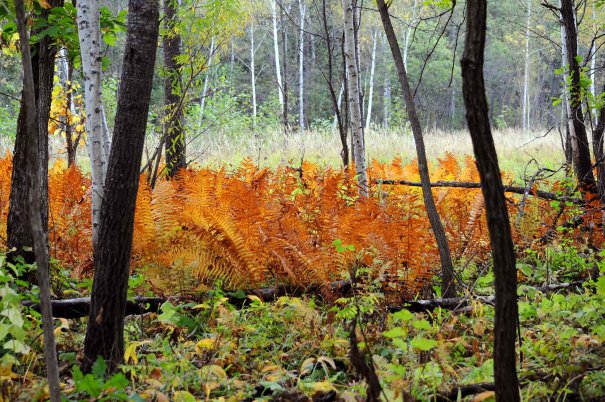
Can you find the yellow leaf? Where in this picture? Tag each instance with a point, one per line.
(45, 4)
(131, 351)
(255, 298)
(207, 343)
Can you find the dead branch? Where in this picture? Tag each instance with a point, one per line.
(468, 184)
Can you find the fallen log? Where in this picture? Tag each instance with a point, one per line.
(419, 306)
(468, 184)
(79, 307)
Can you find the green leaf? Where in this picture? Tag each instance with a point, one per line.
(423, 344)
(396, 332)
(422, 324)
(403, 315)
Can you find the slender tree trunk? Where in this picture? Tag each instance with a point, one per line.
(35, 205)
(372, 70)
(301, 66)
(284, 46)
(253, 73)
(175, 116)
(447, 267)
(597, 148)
(593, 64)
(280, 86)
(206, 80)
(525, 117)
(89, 34)
(408, 34)
(352, 71)
(105, 330)
(19, 235)
(477, 116)
(579, 137)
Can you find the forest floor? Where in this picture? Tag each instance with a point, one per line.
(297, 348)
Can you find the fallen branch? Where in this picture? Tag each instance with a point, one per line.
(79, 307)
(468, 184)
(419, 306)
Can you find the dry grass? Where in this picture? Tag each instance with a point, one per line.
(273, 147)
(515, 148)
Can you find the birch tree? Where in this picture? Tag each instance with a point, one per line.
(526, 73)
(89, 34)
(354, 96)
(372, 70)
(301, 65)
(280, 86)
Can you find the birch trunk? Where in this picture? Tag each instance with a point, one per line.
(301, 66)
(280, 87)
(526, 75)
(89, 33)
(371, 91)
(593, 65)
(253, 74)
(352, 71)
(408, 34)
(206, 82)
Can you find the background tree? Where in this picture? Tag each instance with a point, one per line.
(105, 330)
(505, 272)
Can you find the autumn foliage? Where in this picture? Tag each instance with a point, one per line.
(252, 225)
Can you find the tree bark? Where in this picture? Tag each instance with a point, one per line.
(278, 77)
(598, 135)
(352, 72)
(105, 330)
(175, 115)
(89, 34)
(579, 138)
(525, 118)
(36, 195)
(284, 48)
(447, 267)
(19, 234)
(372, 70)
(477, 116)
(301, 66)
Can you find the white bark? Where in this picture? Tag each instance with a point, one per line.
(352, 70)
(526, 75)
(408, 34)
(301, 66)
(89, 32)
(338, 103)
(593, 65)
(371, 91)
(206, 81)
(280, 86)
(253, 74)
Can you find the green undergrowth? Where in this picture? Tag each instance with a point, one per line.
(211, 350)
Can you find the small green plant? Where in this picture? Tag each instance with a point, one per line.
(95, 386)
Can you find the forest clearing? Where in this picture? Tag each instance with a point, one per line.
(302, 200)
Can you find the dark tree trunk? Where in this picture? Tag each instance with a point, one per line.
(579, 138)
(72, 138)
(18, 225)
(36, 199)
(344, 153)
(473, 89)
(447, 267)
(105, 331)
(175, 117)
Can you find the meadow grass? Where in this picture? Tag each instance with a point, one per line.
(273, 147)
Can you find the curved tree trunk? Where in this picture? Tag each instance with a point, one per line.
(473, 89)
(105, 330)
(447, 267)
(175, 116)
